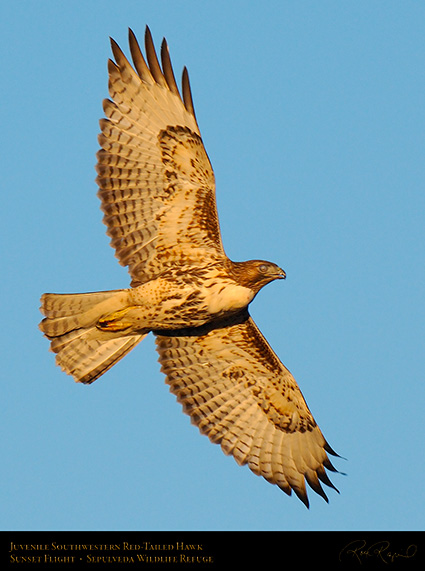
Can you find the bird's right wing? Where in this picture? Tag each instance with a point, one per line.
(156, 183)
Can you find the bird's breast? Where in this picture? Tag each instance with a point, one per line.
(221, 298)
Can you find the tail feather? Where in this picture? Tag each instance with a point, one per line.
(68, 304)
(82, 349)
(66, 311)
(86, 354)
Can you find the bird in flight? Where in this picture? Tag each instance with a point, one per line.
(157, 193)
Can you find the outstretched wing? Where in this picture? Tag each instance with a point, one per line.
(156, 183)
(240, 395)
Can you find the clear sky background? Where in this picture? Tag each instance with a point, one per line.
(313, 116)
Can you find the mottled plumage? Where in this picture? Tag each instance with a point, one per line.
(157, 192)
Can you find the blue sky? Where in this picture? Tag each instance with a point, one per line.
(313, 116)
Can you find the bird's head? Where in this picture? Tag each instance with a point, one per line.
(255, 274)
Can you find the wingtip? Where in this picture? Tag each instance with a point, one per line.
(187, 92)
(131, 36)
(331, 451)
(152, 59)
(148, 34)
(302, 495)
(304, 500)
(117, 52)
(313, 482)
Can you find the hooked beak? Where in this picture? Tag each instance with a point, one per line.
(281, 275)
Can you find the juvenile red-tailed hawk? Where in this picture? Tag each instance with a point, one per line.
(158, 197)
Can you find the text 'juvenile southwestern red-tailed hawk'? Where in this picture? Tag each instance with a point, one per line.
(158, 197)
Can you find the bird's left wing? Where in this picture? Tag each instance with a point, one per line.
(156, 183)
(240, 395)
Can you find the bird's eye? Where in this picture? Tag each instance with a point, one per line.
(263, 268)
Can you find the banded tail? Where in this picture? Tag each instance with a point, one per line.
(86, 345)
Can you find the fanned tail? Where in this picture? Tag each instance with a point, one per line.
(83, 349)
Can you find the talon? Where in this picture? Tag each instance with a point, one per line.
(112, 322)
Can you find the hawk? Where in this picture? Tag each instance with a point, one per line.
(157, 192)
